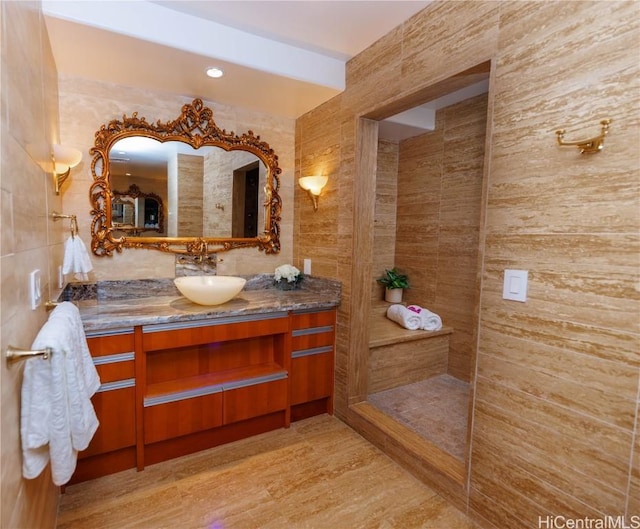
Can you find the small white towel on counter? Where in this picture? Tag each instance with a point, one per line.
(76, 258)
(430, 321)
(401, 315)
(57, 416)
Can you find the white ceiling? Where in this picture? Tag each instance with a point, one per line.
(280, 57)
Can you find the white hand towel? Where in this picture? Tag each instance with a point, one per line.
(408, 319)
(430, 321)
(57, 416)
(76, 258)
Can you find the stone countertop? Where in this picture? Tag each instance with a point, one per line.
(108, 305)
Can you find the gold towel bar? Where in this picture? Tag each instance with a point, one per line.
(14, 354)
(589, 146)
(50, 305)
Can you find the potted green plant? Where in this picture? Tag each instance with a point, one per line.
(394, 282)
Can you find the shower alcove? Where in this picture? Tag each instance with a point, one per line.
(427, 214)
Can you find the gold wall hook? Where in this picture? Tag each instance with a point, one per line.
(589, 146)
(74, 222)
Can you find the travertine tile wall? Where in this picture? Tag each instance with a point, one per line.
(555, 415)
(384, 226)
(86, 105)
(439, 204)
(29, 239)
(191, 192)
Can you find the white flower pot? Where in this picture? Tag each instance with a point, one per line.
(393, 295)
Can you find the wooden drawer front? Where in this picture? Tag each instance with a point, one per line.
(305, 320)
(101, 344)
(311, 376)
(182, 417)
(115, 367)
(115, 408)
(186, 334)
(312, 337)
(253, 400)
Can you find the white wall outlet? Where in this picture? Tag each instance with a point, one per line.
(35, 290)
(307, 267)
(60, 277)
(515, 285)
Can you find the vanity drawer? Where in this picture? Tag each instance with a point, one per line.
(110, 342)
(306, 320)
(312, 338)
(186, 334)
(114, 406)
(248, 401)
(115, 367)
(311, 375)
(311, 330)
(182, 417)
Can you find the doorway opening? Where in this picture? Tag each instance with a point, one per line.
(246, 186)
(428, 219)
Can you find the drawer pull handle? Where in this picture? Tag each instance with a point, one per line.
(312, 330)
(118, 384)
(313, 351)
(113, 359)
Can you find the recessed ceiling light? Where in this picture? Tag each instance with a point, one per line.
(214, 72)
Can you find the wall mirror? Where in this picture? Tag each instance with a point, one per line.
(184, 186)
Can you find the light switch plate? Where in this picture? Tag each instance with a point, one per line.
(307, 267)
(35, 290)
(515, 285)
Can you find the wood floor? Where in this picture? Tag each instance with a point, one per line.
(318, 474)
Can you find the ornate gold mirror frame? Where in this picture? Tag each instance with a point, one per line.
(195, 127)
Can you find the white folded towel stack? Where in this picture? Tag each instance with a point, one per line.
(430, 321)
(76, 258)
(57, 416)
(401, 315)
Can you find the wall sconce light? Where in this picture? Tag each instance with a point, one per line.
(64, 158)
(313, 185)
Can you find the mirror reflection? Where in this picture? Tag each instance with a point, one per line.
(208, 191)
(134, 212)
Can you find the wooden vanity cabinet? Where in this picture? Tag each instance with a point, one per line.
(173, 389)
(312, 361)
(113, 447)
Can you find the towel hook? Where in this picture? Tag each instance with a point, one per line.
(589, 146)
(15, 354)
(74, 222)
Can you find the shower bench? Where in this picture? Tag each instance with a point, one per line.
(398, 356)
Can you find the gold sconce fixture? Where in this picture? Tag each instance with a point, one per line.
(589, 146)
(313, 185)
(64, 158)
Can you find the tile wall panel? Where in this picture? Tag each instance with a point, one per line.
(385, 213)
(29, 239)
(439, 208)
(556, 407)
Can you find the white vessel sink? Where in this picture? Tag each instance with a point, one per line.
(209, 290)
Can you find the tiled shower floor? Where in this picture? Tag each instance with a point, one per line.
(435, 408)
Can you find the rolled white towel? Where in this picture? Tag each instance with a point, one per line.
(408, 319)
(429, 321)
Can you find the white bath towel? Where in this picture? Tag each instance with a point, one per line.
(57, 416)
(76, 258)
(430, 321)
(401, 315)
